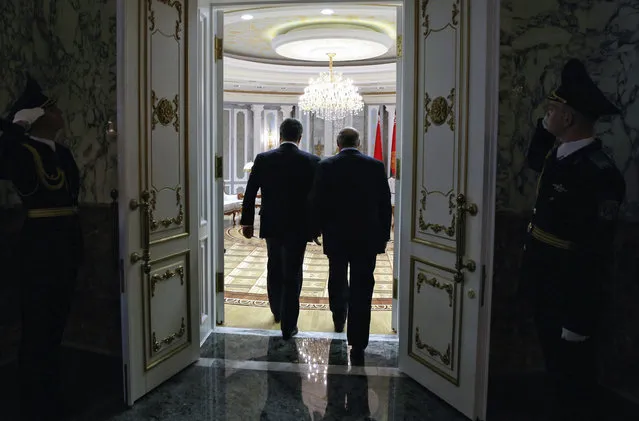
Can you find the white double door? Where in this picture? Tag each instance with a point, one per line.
(170, 96)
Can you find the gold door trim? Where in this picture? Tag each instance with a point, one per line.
(422, 279)
(446, 357)
(168, 274)
(443, 357)
(151, 357)
(167, 222)
(460, 12)
(437, 228)
(149, 108)
(158, 345)
(171, 3)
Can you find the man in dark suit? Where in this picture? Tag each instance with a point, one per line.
(351, 207)
(285, 176)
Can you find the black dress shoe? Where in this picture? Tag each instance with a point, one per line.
(357, 356)
(288, 335)
(339, 326)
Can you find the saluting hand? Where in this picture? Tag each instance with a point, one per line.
(247, 231)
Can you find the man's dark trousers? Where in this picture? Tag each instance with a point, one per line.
(284, 279)
(353, 301)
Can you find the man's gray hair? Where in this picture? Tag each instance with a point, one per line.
(348, 137)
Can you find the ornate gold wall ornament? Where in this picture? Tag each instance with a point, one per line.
(158, 345)
(433, 282)
(456, 13)
(425, 18)
(165, 112)
(439, 111)
(171, 3)
(437, 228)
(444, 357)
(168, 274)
(166, 222)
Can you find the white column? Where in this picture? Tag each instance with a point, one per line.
(305, 119)
(329, 142)
(373, 111)
(271, 123)
(257, 129)
(391, 115)
(287, 110)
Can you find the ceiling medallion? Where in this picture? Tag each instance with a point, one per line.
(330, 96)
(349, 42)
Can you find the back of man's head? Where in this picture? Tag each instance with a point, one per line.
(291, 130)
(348, 137)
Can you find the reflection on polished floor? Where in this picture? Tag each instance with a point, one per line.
(245, 296)
(262, 377)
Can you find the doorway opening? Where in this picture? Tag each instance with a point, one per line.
(264, 76)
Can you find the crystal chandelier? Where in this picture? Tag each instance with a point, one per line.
(330, 96)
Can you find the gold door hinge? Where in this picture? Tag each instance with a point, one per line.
(219, 164)
(397, 168)
(400, 39)
(395, 288)
(219, 48)
(219, 282)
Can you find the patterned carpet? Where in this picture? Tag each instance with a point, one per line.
(245, 274)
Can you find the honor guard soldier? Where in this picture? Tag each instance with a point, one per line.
(46, 177)
(570, 237)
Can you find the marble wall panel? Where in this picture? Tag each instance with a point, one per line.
(537, 37)
(69, 46)
(536, 40)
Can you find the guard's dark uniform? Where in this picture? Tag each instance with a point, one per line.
(569, 247)
(50, 249)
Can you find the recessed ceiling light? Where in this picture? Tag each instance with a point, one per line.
(247, 17)
(327, 12)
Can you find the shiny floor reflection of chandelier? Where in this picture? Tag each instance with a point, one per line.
(331, 96)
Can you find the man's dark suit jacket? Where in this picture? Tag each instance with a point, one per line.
(285, 177)
(351, 204)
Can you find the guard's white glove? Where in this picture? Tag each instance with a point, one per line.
(571, 336)
(28, 116)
